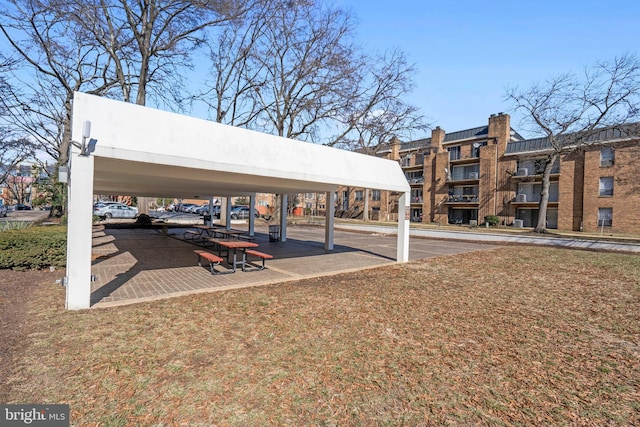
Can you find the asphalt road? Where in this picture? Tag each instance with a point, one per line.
(33, 215)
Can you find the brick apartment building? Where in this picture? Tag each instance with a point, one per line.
(463, 176)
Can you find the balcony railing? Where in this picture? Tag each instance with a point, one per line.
(521, 172)
(471, 176)
(416, 180)
(466, 198)
(416, 199)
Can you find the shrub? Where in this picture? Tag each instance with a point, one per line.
(492, 219)
(14, 225)
(33, 248)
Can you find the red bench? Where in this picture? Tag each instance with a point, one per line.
(213, 260)
(260, 255)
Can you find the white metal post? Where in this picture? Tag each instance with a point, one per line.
(404, 212)
(252, 207)
(79, 214)
(284, 201)
(330, 210)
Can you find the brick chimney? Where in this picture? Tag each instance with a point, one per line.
(499, 130)
(437, 137)
(394, 144)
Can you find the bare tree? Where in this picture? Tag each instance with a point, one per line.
(234, 75)
(380, 114)
(96, 46)
(55, 61)
(149, 42)
(293, 69)
(13, 152)
(572, 111)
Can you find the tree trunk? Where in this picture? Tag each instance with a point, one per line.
(541, 227)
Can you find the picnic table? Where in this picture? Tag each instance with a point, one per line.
(234, 245)
(227, 234)
(200, 234)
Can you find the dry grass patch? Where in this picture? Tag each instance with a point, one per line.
(514, 336)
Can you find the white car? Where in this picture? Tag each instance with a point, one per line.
(115, 210)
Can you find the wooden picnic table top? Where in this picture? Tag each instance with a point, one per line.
(233, 244)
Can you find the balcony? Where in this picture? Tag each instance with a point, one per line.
(471, 176)
(465, 198)
(416, 200)
(464, 159)
(529, 199)
(415, 181)
(521, 173)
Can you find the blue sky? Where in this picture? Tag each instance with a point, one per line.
(467, 52)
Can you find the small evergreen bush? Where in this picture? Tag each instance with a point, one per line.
(33, 248)
(492, 219)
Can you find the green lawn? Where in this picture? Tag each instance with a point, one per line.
(513, 336)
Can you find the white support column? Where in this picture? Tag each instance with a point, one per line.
(79, 213)
(252, 218)
(284, 200)
(210, 209)
(330, 211)
(404, 212)
(227, 213)
(365, 214)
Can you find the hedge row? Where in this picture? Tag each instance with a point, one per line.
(33, 248)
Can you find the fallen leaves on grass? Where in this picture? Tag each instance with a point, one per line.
(514, 336)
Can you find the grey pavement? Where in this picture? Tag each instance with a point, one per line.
(497, 238)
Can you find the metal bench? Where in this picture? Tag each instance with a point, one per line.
(212, 258)
(260, 255)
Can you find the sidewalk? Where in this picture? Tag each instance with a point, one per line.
(592, 243)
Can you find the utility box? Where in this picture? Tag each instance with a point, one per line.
(517, 223)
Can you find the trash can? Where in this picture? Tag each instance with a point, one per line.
(274, 233)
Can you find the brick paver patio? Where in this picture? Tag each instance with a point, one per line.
(136, 264)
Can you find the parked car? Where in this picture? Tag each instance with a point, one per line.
(116, 210)
(3, 211)
(242, 212)
(193, 208)
(21, 207)
(184, 207)
(202, 210)
(103, 203)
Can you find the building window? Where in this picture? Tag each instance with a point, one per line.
(375, 195)
(605, 217)
(606, 156)
(454, 153)
(406, 161)
(606, 186)
(359, 195)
